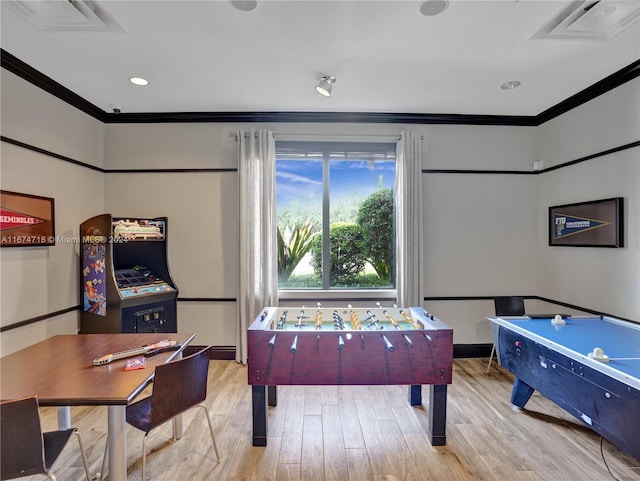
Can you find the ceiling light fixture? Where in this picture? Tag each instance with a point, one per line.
(431, 8)
(325, 85)
(244, 5)
(510, 85)
(138, 81)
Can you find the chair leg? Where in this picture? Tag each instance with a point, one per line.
(144, 445)
(144, 456)
(84, 457)
(103, 469)
(213, 439)
(493, 350)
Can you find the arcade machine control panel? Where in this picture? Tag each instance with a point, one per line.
(139, 281)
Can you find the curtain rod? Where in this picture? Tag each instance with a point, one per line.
(330, 137)
(235, 135)
(336, 137)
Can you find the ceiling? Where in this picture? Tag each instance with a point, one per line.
(209, 56)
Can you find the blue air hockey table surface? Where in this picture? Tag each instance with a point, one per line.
(590, 366)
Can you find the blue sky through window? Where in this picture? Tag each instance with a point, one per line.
(299, 182)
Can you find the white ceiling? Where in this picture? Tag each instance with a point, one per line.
(207, 56)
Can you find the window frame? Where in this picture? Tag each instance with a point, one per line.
(327, 148)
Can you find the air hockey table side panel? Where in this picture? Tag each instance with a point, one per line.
(605, 404)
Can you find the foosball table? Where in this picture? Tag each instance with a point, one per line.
(350, 346)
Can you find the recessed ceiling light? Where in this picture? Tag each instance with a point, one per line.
(138, 81)
(431, 8)
(244, 5)
(510, 85)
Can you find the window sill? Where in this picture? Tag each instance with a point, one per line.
(318, 295)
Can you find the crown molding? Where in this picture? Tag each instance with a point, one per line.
(614, 80)
(33, 76)
(320, 117)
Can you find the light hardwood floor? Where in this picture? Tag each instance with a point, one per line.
(361, 433)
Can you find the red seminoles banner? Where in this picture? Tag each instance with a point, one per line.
(26, 220)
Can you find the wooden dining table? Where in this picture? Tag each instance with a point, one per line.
(60, 372)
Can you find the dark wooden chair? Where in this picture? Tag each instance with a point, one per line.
(177, 386)
(509, 305)
(25, 449)
(506, 306)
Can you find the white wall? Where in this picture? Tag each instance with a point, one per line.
(37, 281)
(485, 233)
(480, 228)
(602, 279)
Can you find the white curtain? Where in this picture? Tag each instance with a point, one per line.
(258, 259)
(409, 220)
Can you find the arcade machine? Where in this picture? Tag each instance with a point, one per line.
(125, 281)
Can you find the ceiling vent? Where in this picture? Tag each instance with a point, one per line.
(591, 20)
(66, 15)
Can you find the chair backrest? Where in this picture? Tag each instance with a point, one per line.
(509, 306)
(179, 385)
(22, 451)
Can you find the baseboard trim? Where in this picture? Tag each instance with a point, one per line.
(217, 353)
(461, 351)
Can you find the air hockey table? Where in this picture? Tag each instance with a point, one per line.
(350, 346)
(589, 366)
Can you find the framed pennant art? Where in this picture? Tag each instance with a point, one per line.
(597, 223)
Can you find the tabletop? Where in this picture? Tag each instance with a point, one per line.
(620, 340)
(60, 370)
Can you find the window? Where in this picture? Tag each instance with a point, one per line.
(335, 215)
